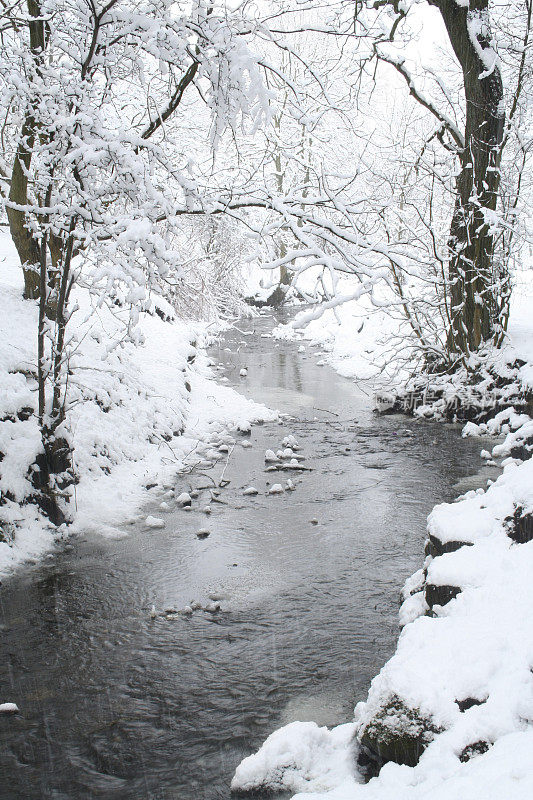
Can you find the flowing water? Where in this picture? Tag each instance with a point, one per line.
(116, 705)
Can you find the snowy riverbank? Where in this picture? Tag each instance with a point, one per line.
(458, 693)
(139, 413)
(450, 715)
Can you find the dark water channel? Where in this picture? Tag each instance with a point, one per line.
(120, 706)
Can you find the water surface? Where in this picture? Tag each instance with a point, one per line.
(116, 705)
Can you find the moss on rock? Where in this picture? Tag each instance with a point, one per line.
(397, 732)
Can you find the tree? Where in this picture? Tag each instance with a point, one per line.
(475, 278)
(478, 131)
(478, 275)
(95, 175)
(101, 180)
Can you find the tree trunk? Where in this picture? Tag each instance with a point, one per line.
(27, 246)
(285, 275)
(474, 275)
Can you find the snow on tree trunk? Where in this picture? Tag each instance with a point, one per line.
(477, 281)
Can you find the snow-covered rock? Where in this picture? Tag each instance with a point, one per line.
(301, 757)
(290, 441)
(9, 708)
(154, 522)
(276, 488)
(270, 456)
(250, 491)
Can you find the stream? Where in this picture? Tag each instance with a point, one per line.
(116, 705)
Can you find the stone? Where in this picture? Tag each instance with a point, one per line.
(440, 595)
(474, 749)
(520, 526)
(154, 522)
(434, 547)
(469, 702)
(396, 733)
(9, 708)
(290, 441)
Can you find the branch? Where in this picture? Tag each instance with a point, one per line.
(449, 124)
(173, 103)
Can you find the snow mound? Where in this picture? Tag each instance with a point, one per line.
(299, 757)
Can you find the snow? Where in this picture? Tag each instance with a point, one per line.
(154, 522)
(291, 442)
(352, 337)
(133, 420)
(297, 758)
(9, 708)
(276, 488)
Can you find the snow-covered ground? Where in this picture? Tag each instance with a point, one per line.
(133, 419)
(356, 336)
(460, 685)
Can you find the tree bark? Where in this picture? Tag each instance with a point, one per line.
(474, 275)
(27, 246)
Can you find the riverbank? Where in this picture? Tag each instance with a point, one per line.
(139, 413)
(450, 715)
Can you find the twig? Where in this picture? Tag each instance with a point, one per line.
(225, 466)
(325, 410)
